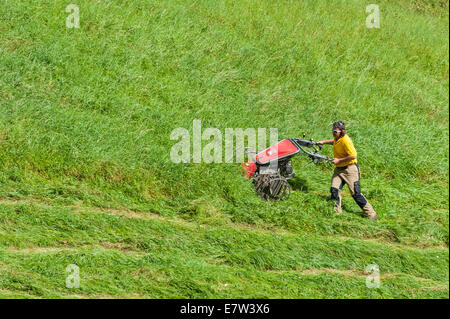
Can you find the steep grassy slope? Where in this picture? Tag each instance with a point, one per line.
(85, 170)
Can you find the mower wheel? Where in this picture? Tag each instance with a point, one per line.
(271, 186)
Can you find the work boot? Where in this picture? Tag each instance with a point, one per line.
(338, 204)
(338, 209)
(370, 212)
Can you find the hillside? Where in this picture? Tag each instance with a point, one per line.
(86, 176)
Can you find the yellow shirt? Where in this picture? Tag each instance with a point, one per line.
(344, 147)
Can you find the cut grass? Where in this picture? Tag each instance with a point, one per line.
(78, 235)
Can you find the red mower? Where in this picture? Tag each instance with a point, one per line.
(270, 169)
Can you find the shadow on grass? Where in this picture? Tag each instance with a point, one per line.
(299, 184)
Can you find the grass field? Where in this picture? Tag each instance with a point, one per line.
(85, 171)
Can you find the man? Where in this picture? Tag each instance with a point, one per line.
(346, 171)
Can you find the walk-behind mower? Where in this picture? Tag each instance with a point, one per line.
(270, 169)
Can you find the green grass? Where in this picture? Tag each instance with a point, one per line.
(85, 170)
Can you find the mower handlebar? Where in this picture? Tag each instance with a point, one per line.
(314, 155)
(306, 143)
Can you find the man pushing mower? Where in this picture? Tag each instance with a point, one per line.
(346, 171)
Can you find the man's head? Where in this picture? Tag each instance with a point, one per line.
(338, 129)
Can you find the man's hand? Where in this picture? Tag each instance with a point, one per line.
(336, 161)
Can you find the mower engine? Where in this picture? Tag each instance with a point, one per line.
(270, 169)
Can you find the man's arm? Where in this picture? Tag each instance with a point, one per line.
(330, 142)
(344, 159)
